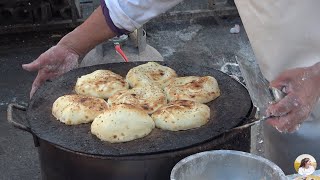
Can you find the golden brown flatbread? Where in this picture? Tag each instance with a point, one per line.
(100, 83)
(150, 73)
(122, 123)
(77, 109)
(193, 88)
(150, 98)
(181, 115)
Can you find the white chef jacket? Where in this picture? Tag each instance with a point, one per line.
(284, 34)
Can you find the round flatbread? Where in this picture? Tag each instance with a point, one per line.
(149, 98)
(193, 88)
(181, 115)
(150, 73)
(100, 83)
(122, 123)
(77, 109)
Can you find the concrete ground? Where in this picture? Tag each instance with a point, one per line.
(18, 157)
(206, 41)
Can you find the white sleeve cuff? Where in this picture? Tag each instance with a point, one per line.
(132, 14)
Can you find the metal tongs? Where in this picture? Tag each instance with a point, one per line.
(277, 96)
(259, 89)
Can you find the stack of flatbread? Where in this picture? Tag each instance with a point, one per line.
(151, 95)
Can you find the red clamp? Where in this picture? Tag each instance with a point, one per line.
(120, 52)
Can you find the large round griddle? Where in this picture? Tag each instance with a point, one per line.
(227, 111)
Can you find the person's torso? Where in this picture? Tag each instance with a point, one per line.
(284, 34)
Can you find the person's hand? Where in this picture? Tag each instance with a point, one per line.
(52, 63)
(302, 86)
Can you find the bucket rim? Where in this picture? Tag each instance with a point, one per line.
(220, 152)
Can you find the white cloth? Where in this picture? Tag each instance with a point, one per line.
(305, 172)
(132, 14)
(284, 34)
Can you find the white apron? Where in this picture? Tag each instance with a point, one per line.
(285, 34)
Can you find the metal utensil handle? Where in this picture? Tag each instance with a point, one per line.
(10, 117)
(249, 124)
(277, 94)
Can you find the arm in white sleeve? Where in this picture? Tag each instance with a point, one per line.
(124, 16)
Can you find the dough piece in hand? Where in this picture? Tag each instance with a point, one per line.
(181, 115)
(77, 109)
(100, 83)
(150, 73)
(122, 123)
(150, 98)
(193, 88)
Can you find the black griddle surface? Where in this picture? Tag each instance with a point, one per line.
(227, 111)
